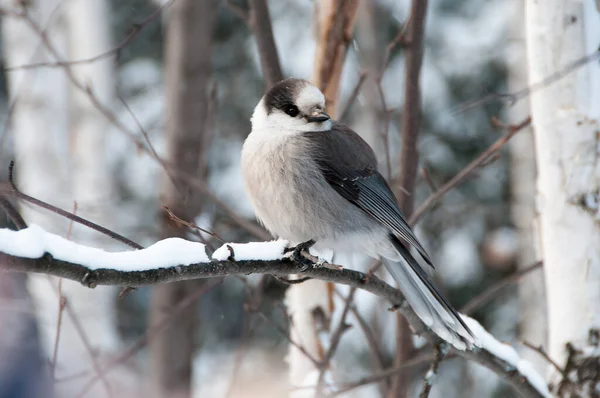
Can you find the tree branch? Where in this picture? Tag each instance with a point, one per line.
(480, 160)
(335, 25)
(260, 22)
(47, 264)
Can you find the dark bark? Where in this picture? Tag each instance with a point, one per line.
(409, 163)
(188, 71)
(260, 23)
(56, 267)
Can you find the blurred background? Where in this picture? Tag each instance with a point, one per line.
(156, 114)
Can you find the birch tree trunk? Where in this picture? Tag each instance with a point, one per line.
(39, 121)
(88, 35)
(59, 168)
(532, 293)
(188, 70)
(566, 120)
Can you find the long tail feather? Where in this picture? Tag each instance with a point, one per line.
(427, 301)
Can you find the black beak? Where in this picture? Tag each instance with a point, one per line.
(317, 117)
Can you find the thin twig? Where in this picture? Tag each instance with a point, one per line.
(191, 225)
(12, 213)
(241, 12)
(431, 374)
(152, 332)
(73, 217)
(410, 364)
(335, 340)
(135, 31)
(353, 96)
(494, 290)
(427, 177)
(374, 348)
(62, 302)
(540, 350)
(89, 349)
(105, 110)
(516, 96)
(476, 163)
(287, 336)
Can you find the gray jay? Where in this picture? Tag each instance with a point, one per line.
(314, 181)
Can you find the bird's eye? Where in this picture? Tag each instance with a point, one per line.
(291, 110)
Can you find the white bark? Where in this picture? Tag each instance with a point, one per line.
(308, 306)
(60, 157)
(566, 117)
(39, 126)
(532, 294)
(88, 35)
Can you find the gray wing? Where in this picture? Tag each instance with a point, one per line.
(349, 165)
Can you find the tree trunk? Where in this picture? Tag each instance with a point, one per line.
(40, 119)
(188, 69)
(88, 35)
(334, 22)
(566, 116)
(409, 163)
(532, 293)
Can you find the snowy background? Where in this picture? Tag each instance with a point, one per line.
(473, 48)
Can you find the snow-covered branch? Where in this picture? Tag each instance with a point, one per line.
(37, 251)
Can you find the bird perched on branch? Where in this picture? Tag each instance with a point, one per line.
(314, 182)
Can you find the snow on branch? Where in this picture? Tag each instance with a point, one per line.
(37, 251)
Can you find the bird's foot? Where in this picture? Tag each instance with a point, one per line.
(298, 257)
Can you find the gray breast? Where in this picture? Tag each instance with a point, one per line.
(291, 197)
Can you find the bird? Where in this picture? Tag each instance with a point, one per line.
(314, 182)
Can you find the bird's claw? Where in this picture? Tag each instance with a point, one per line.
(299, 258)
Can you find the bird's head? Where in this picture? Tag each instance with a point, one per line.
(293, 105)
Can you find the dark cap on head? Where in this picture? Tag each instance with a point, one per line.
(283, 94)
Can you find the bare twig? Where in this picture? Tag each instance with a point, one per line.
(191, 225)
(12, 213)
(73, 217)
(62, 302)
(287, 336)
(241, 12)
(375, 349)
(512, 98)
(335, 340)
(155, 330)
(260, 24)
(399, 39)
(491, 292)
(134, 32)
(495, 147)
(540, 350)
(105, 110)
(353, 96)
(431, 374)
(412, 363)
(428, 179)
